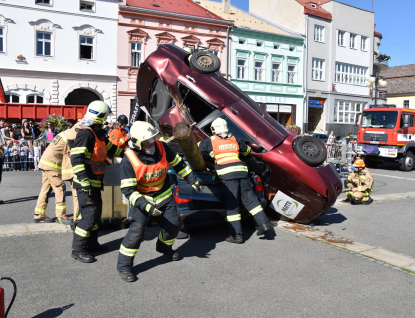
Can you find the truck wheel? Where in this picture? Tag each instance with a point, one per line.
(310, 150)
(204, 62)
(160, 100)
(407, 162)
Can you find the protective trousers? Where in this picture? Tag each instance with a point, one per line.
(90, 210)
(169, 223)
(75, 201)
(238, 190)
(51, 180)
(360, 196)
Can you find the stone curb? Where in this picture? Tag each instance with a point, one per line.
(399, 261)
(32, 229)
(384, 197)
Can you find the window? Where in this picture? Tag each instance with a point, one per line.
(318, 33)
(259, 71)
(291, 74)
(12, 98)
(242, 74)
(292, 48)
(350, 74)
(317, 70)
(275, 72)
(241, 41)
(363, 43)
(214, 52)
(43, 44)
(406, 103)
(1, 40)
(352, 41)
(276, 46)
(86, 46)
(259, 44)
(346, 111)
(87, 6)
(340, 38)
(313, 5)
(34, 99)
(43, 1)
(136, 53)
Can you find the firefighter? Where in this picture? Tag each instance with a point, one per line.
(236, 186)
(145, 182)
(360, 184)
(119, 135)
(52, 164)
(88, 159)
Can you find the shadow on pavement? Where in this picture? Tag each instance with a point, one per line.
(53, 312)
(19, 200)
(330, 217)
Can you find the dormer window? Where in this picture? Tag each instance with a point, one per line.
(87, 6)
(313, 5)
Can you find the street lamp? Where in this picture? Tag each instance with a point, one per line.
(377, 80)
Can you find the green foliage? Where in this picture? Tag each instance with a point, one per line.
(294, 128)
(383, 57)
(58, 122)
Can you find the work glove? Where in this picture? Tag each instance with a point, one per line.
(86, 186)
(197, 186)
(152, 210)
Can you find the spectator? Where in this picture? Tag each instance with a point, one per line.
(13, 132)
(30, 156)
(23, 155)
(330, 142)
(36, 153)
(25, 131)
(349, 138)
(2, 143)
(2, 123)
(7, 132)
(9, 155)
(49, 133)
(16, 155)
(42, 148)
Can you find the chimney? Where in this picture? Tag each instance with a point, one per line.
(226, 6)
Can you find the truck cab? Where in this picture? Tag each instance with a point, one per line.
(387, 134)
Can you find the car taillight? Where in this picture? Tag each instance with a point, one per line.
(179, 200)
(259, 187)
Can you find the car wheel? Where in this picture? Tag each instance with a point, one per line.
(407, 162)
(204, 62)
(310, 150)
(160, 100)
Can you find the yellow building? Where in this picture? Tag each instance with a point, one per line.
(401, 85)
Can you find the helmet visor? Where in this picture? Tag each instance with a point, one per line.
(149, 142)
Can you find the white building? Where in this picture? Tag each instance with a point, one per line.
(59, 52)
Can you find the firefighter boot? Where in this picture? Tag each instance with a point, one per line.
(63, 220)
(238, 239)
(172, 255)
(127, 276)
(262, 229)
(83, 257)
(42, 219)
(368, 201)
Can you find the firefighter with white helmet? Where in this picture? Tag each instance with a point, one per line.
(233, 173)
(146, 184)
(88, 158)
(360, 184)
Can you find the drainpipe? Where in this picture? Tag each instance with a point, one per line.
(305, 75)
(227, 53)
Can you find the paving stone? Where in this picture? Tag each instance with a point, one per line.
(390, 257)
(411, 268)
(45, 227)
(12, 229)
(355, 246)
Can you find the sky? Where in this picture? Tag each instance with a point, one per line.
(394, 20)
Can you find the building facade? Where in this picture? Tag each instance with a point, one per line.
(58, 52)
(401, 85)
(266, 62)
(143, 25)
(339, 58)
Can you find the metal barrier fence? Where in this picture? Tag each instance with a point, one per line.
(342, 155)
(17, 162)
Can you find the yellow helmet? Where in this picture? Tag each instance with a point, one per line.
(143, 133)
(97, 112)
(219, 126)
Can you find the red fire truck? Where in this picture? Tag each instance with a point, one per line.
(387, 134)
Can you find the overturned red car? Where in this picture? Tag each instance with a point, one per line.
(177, 86)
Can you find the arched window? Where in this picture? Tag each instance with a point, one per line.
(12, 98)
(34, 99)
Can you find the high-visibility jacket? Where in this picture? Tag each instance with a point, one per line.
(365, 181)
(150, 178)
(97, 159)
(225, 150)
(68, 136)
(119, 137)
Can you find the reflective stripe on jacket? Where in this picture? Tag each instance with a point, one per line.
(150, 178)
(225, 150)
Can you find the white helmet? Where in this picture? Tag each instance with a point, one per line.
(142, 133)
(97, 112)
(219, 126)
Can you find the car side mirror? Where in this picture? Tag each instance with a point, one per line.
(405, 121)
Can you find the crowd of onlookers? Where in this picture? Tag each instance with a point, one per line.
(24, 144)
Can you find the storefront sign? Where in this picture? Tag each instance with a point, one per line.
(273, 108)
(316, 103)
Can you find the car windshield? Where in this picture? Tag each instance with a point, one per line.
(379, 119)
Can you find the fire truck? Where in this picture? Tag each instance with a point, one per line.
(387, 134)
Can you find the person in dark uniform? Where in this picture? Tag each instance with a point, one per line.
(146, 184)
(88, 157)
(233, 173)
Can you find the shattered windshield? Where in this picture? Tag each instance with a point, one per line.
(379, 119)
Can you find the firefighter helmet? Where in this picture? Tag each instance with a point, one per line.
(143, 134)
(123, 120)
(219, 126)
(97, 112)
(359, 163)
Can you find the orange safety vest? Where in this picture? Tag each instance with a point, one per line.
(99, 155)
(150, 178)
(225, 150)
(118, 137)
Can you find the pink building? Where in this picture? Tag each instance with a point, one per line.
(144, 24)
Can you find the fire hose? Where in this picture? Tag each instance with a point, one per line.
(2, 298)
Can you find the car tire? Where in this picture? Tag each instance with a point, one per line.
(407, 162)
(310, 150)
(160, 100)
(204, 62)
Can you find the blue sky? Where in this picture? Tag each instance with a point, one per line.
(394, 19)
